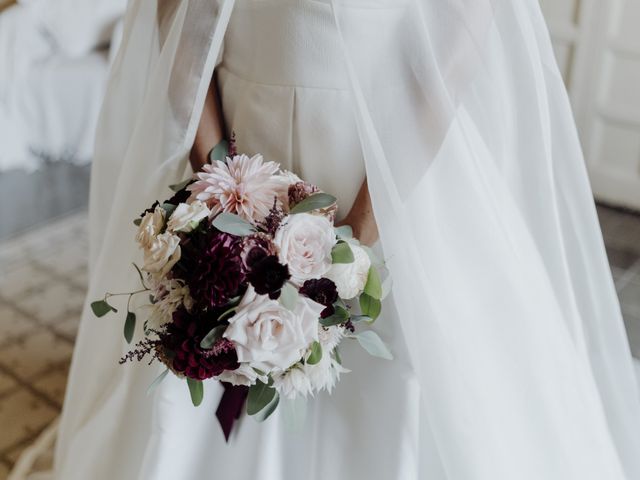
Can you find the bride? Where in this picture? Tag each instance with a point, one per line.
(444, 126)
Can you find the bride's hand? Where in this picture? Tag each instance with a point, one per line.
(360, 218)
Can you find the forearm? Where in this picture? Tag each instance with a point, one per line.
(210, 129)
(361, 218)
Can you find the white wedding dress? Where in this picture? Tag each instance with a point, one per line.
(511, 357)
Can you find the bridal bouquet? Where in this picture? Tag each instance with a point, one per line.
(250, 283)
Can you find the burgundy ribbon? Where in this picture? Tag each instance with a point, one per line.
(230, 406)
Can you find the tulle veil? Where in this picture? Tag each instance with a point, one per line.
(484, 210)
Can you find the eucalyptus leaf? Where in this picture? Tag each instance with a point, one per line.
(157, 381)
(370, 306)
(176, 187)
(219, 152)
(212, 337)
(101, 308)
(342, 253)
(316, 354)
(260, 395)
(263, 414)
(336, 354)
(345, 231)
(168, 209)
(341, 315)
(314, 202)
(233, 224)
(129, 326)
(373, 287)
(371, 342)
(196, 389)
(288, 296)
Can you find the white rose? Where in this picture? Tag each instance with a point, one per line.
(150, 226)
(269, 336)
(162, 254)
(187, 216)
(243, 375)
(350, 278)
(305, 242)
(293, 383)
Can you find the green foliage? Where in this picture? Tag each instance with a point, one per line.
(370, 306)
(342, 253)
(371, 342)
(316, 354)
(233, 224)
(129, 326)
(196, 390)
(260, 395)
(314, 202)
(101, 308)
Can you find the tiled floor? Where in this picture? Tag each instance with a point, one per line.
(41, 295)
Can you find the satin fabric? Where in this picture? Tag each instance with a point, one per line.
(511, 357)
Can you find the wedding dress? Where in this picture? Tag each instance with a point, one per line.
(511, 361)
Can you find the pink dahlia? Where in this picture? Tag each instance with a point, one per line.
(246, 186)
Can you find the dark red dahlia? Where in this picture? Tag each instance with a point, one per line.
(268, 275)
(181, 196)
(322, 291)
(255, 248)
(211, 266)
(181, 343)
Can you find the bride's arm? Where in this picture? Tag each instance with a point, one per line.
(361, 218)
(210, 130)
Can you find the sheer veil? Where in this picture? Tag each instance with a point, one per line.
(483, 206)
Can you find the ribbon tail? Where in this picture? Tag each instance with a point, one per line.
(230, 406)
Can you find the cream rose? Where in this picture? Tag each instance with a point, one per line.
(350, 278)
(162, 254)
(187, 216)
(150, 226)
(269, 336)
(243, 375)
(305, 242)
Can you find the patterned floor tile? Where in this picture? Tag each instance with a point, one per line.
(4, 471)
(7, 383)
(21, 281)
(36, 354)
(68, 327)
(52, 301)
(14, 324)
(22, 415)
(53, 384)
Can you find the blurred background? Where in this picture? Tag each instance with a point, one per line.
(54, 59)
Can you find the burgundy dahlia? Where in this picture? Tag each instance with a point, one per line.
(181, 343)
(211, 266)
(322, 291)
(181, 196)
(268, 275)
(255, 248)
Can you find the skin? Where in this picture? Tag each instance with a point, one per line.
(211, 132)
